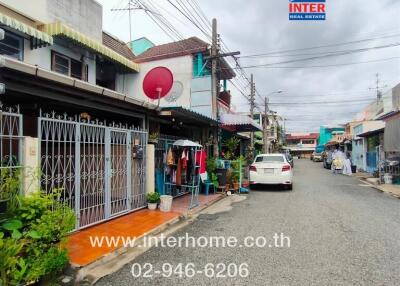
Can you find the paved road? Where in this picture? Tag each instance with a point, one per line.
(341, 233)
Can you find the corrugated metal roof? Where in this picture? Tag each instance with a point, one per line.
(230, 119)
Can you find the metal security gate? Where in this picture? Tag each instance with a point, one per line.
(98, 168)
(11, 135)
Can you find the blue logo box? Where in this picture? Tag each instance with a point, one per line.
(307, 16)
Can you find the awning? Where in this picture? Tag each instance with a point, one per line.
(239, 123)
(392, 136)
(372, 132)
(332, 143)
(61, 30)
(187, 116)
(40, 37)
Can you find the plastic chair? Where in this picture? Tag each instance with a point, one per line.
(206, 183)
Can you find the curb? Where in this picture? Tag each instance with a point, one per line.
(378, 188)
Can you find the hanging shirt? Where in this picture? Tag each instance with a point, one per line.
(184, 159)
(179, 174)
(170, 157)
(201, 157)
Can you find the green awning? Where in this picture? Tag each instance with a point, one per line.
(60, 29)
(26, 29)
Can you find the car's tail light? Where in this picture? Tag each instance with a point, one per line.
(253, 168)
(286, 168)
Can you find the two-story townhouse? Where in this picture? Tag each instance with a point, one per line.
(64, 110)
(301, 144)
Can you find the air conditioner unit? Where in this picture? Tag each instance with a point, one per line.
(2, 34)
(2, 88)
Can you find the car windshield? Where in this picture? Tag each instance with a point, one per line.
(277, 158)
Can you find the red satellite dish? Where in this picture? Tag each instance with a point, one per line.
(158, 82)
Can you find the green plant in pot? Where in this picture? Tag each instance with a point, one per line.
(235, 177)
(153, 137)
(152, 200)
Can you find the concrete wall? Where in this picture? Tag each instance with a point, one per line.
(396, 97)
(181, 68)
(37, 10)
(85, 16)
(42, 58)
(201, 97)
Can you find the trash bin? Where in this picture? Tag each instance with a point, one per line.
(221, 175)
(165, 203)
(388, 179)
(353, 169)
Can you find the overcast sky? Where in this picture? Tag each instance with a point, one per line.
(263, 27)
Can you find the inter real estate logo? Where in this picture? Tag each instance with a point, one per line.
(311, 10)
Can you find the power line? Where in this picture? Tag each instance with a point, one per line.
(319, 66)
(320, 47)
(328, 56)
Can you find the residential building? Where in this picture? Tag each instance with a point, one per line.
(65, 111)
(301, 144)
(326, 133)
(365, 144)
(275, 132)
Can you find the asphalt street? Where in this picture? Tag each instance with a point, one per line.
(341, 232)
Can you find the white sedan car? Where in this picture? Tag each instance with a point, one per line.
(271, 169)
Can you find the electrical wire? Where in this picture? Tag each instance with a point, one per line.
(319, 47)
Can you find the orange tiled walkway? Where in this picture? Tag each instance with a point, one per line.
(181, 204)
(135, 224)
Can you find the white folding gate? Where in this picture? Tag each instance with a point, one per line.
(99, 168)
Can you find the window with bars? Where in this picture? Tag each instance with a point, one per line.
(70, 67)
(12, 45)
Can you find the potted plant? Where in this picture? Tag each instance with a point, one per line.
(152, 200)
(153, 138)
(235, 177)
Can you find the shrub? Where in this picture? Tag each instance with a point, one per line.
(31, 238)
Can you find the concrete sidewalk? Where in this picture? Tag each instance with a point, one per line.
(393, 190)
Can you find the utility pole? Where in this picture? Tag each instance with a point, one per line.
(265, 127)
(214, 81)
(252, 105)
(214, 64)
(214, 57)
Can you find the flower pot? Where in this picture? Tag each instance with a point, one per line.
(152, 206)
(236, 186)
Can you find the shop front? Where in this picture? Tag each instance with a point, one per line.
(177, 168)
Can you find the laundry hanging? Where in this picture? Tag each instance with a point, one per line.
(170, 157)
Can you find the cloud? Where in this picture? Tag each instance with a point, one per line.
(261, 26)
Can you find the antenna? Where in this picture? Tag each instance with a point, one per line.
(378, 88)
(132, 5)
